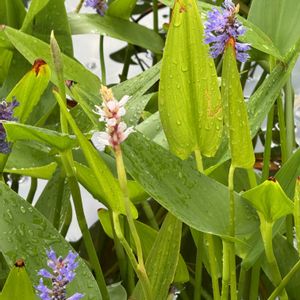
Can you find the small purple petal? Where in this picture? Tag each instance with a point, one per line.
(76, 296)
(223, 25)
(99, 5)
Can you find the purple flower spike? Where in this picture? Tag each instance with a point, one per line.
(223, 25)
(63, 272)
(99, 5)
(6, 114)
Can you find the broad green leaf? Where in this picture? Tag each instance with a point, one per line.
(117, 28)
(51, 17)
(148, 236)
(235, 113)
(35, 7)
(162, 260)
(270, 200)
(121, 8)
(16, 131)
(12, 13)
(288, 173)
(30, 159)
(26, 233)
(286, 13)
(194, 198)
(5, 59)
(29, 90)
(189, 98)
(86, 177)
(55, 199)
(105, 180)
(32, 48)
(18, 285)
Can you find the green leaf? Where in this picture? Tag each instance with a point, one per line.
(56, 196)
(32, 48)
(148, 236)
(30, 159)
(162, 260)
(121, 8)
(88, 180)
(12, 13)
(105, 180)
(270, 200)
(189, 98)
(117, 28)
(16, 131)
(286, 13)
(235, 113)
(18, 285)
(35, 7)
(194, 198)
(29, 90)
(5, 59)
(27, 234)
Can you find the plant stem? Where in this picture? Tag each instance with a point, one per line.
(139, 269)
(32, 190)
(267, 149)
(297, 213)
(149, 214)
(266, 232)
(210, 247)
(123, 184)
(198, 269)
(226, 270)
(87, 239)
(155, 15)
(78, 7)
(126, 64)
(289, 116)
(58, 204)
(282, 131)
(254, 285)
(102, 60)
(285, 281)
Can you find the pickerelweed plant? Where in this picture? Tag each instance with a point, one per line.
(186, 208)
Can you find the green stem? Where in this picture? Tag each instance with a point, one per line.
(102, 60)
(123, 184)
(254, 285)
(78, 7)
(15, 182)
(149, 214)
(210, 246)
(32, 190)
(126, 63)
(155, 15)
(226, 270)
(243, 283)
(289, 113)
(139, 269)
(86, 235)
(59, 200)
(198, 269)
(266, 232)
(297, 213)
(267, 150)
(282, 131)
(285, 281)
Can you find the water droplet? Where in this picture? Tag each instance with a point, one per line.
(23, 210)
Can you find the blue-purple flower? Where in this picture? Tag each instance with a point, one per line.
(6, 114)
(99, 5)
(222, 26)
(63, 272)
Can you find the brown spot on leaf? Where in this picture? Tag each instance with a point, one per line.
(20, 263)
(37, 65)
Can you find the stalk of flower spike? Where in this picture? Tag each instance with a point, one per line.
(111, 113)
(63, 272)
(223, 25)
(99, 5)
